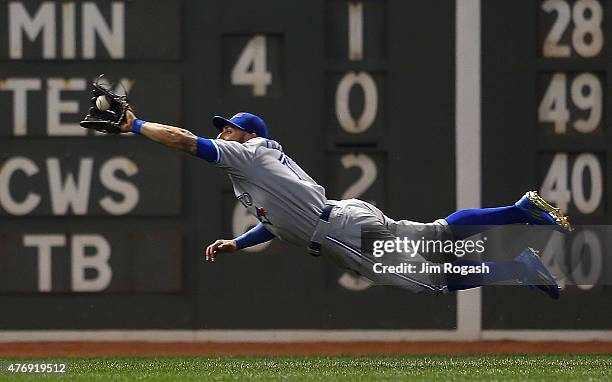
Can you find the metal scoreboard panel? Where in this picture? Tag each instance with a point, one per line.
(87, 226)
(350, 89)
(546, 116)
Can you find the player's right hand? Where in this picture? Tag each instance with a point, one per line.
(218, 247)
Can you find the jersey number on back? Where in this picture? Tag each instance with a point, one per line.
(285, 161)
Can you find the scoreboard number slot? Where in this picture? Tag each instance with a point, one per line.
(583, 265)
(586, 244)
(369, 173)
(586, 36)
(251, 69)
(586, 96)
(355, 35)
(368, 114)
(565, 183)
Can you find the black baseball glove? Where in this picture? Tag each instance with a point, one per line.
(107, 121)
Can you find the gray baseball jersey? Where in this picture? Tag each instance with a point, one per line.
(273, 187)
(289, 202)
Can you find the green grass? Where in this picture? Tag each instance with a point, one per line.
(336, 368)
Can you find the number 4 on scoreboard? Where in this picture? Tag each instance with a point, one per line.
(250, 69)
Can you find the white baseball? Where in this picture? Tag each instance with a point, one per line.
(102, 103)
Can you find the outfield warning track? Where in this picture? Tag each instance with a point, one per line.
(49, 349)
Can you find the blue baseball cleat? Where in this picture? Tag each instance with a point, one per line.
(537, 275)
(543, 212)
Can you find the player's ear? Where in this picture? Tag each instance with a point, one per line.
(249, 136)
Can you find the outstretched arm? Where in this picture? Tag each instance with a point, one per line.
(171, 136)
(256, 235)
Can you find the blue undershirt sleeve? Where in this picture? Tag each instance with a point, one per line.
(206, 149)
(256, 235)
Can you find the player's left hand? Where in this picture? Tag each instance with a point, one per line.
(130, 117)
(220, 246)
(110, 115)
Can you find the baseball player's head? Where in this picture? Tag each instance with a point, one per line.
(241, 127)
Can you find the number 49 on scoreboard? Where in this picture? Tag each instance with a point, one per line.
(571, 102)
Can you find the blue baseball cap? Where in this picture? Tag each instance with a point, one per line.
(244, 121)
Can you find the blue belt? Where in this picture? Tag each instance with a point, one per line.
(314, 248)
(326, 212)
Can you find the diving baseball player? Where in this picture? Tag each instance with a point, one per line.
(292, 207)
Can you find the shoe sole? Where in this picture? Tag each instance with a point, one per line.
(552, 290)
(548, 283)
(552, 211)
